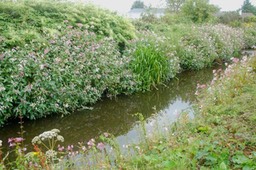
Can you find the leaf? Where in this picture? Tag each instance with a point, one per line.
(240, 159)
(223, 166)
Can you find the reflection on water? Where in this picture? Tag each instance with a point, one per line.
(116, 116)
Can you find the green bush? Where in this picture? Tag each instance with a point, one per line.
(25, 21)
(72, 72)
(250, 35)
(204, 44)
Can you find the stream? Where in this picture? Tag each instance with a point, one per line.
(116, 116)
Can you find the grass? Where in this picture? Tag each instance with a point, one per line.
(222, 135)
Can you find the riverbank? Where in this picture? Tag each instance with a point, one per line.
(83, 59)
(221, 135)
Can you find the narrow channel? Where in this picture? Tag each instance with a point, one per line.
(116, 116)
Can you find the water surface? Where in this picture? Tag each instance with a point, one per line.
(116, 116)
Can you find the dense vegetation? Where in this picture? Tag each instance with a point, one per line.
(60, 56)
(28, 21)
(221, 136)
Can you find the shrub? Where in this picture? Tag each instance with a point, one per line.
(233, 91)
(204, 44)
(73, 71)
(250, 35)
(25, 21)
(229, 17)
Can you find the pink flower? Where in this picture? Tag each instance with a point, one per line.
(18, 140)
(14, 141)
(91, 142)
(79, 25)
(46, 51)
(60, 148)
(235, 60)
(100, 146)
(70, 147)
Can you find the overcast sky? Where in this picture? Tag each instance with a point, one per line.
(123, 6)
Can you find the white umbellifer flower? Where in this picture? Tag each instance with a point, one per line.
(35, 140)
(55, 130)
(48, 135)
(1, 143)
(60, 138)
(50, 153)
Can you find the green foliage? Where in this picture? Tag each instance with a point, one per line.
(248, 7)
(222, 100)
(250, 35)
(71, 72)
(213, 140)
(230, 18)
(174, 6)
(138, 4)
(199, 11)
(28, 21)
(205, 44)
(153, 60)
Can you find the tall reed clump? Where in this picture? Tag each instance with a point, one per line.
(205, 44)
(75, 70)
(152, 60)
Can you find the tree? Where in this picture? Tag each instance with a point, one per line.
(230, 17)
(248, 7)
(199, 10)
(138, 4)
(174, 6)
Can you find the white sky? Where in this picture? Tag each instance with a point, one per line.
(123, 6)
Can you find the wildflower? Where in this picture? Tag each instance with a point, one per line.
(100, 146)
(46, 51)
(35, 140)
(235, 60)
(91, 142)
(50, 153)
(13, 141)
(70, 147)
(79, 25)
(60, 138)
(60, 148)
(84, 148)
(55, 130)
(106, 134)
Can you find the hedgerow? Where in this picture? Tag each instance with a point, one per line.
(25, 21)
(73, 71)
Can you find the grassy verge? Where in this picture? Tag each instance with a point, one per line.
(222, 135)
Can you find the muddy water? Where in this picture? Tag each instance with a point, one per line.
(116, 116)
